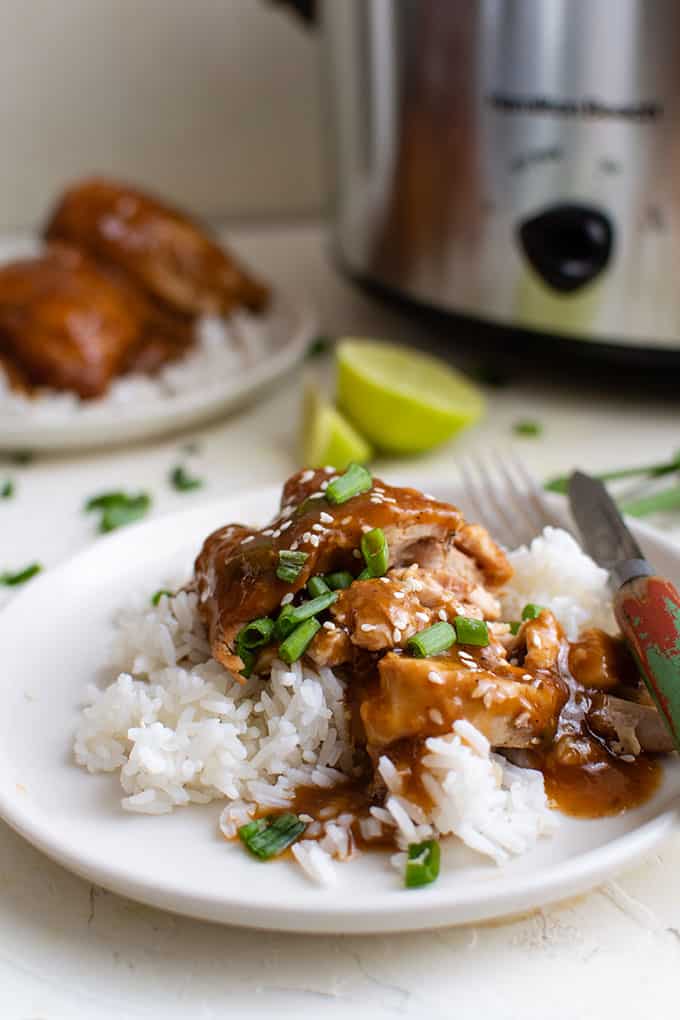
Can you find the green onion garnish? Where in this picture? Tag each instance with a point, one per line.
(290, 565)
(256, 633)
(248, 657)
(422, 865)
(26, 574)
(470, 631)
(157, 596)
(561, 483)
(317, 586)
(320, 345)
(514, 626)
(338, 580)
(527, 428)
(267, 837)
(181, 480)
(7, 489)
(531, 611)
(297, 642)
(118, 508)
(658, 502)
(294, 615)
(375, 552)
(354, 482)
(432, 640)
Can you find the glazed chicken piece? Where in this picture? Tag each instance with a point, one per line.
(162, 249)
(67, 323)
(513, 705)
(240, 583)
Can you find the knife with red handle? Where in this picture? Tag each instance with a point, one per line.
(646, 606)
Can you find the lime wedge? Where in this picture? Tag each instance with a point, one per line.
(326, 437)
(402, 400)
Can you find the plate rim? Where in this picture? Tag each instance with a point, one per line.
(416, 910)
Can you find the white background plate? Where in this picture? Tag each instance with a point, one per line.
(289, 329)
(54, 635)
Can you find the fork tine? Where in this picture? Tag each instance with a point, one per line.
(525, 506)
(536, 494)
(493, 513)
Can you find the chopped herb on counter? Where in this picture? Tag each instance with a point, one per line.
(157, 596)
(319, 345)
(6, 489)
(527, 428)
(658, 502)
(182, 481)
(118, 508)
(270, 836)
(10, 580)
(561, 482)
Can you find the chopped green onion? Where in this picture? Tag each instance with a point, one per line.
(365, 575)
(297, 642)
(354, 482)
(531, 611)
(320, 345)
(561, 483)
(157, 596)
(291, 616)
(317, 586)
(290, 565)
(268, 837)
(470, 631)
(118, 508)
(181, 480)
(422, 865)
(527, 428)
(7, 489)
(375, 552)
(338, 580)
(248, 657)
(26, 574)
(514, 627)
(432, 640)
(256, 633)
(658, 502)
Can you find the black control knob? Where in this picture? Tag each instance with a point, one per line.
(567, 245)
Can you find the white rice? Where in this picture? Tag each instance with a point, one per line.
(555, 572)
(179, 729)
(223, 347)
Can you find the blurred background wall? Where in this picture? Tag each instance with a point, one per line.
(214, 103)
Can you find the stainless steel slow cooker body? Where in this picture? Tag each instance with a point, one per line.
(516, 161)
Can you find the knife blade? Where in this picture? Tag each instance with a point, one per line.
(647, 607)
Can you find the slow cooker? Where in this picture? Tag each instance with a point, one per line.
(516, 162)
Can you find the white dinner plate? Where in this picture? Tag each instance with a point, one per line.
(53, 637)
(284, 337)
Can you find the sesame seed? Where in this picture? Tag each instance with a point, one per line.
(306, 537)
(307, 476)
(346, 520)
(329, 625)
(366, 528)
(314, 540)
(388, 499)
(295, 545)
(434, 677)
(401, 620)
(379, 489)
(318, 527)
(376, 499)
(422, 616)
(268, 532)
(436, 716)
(396, 635)
(275, 534)
(326, 518)
(285, 526)
(248, 538)
(288, 597)
(428, 495)
(323, 486)
(399, 594)
(286, 512)
(366, 627)
(329, 470)
(442, 614)
(356, 554)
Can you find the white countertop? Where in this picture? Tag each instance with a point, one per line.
(70, 951)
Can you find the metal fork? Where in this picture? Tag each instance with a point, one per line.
(500, 492)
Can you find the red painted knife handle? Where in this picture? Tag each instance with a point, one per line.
(648, 612)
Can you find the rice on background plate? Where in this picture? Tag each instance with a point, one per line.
(179, 729)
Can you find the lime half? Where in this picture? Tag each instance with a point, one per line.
(402, 400)
(326, 437)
